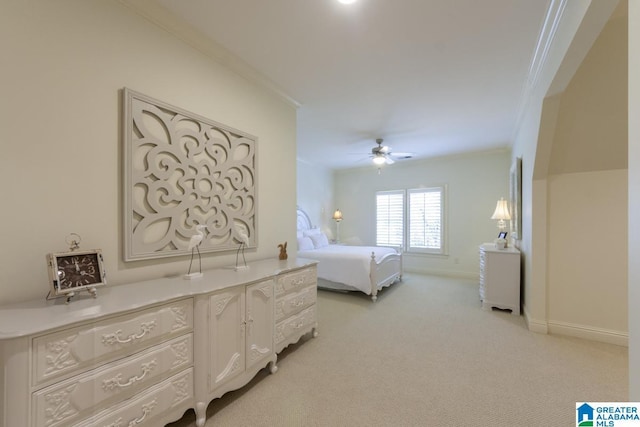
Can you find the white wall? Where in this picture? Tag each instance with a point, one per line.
(475, 182)
(634, 201)
(64, 65)
(570, 40)
(315, 195)
(587, 255)
(587, 195)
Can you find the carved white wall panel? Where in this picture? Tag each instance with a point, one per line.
(182, 170)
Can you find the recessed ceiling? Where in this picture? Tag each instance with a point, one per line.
(431, 77)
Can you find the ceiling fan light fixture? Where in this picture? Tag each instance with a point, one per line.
(347, 1)
(379, 160)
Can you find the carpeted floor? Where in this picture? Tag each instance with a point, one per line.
(425, 354)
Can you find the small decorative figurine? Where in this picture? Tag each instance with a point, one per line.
(283, 251)
(244, 242)
(194, 245)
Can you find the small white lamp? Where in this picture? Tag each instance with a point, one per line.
(501, 213)
(337, 217)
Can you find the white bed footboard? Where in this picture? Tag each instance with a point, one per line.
(384, 272)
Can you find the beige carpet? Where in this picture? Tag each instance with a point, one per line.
(425, 354)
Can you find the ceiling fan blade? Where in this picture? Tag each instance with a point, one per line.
(395, 154)
(386, 149)
(388, 160)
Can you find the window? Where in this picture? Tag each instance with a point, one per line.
(425, 229)
(390, 218)
(412, 219)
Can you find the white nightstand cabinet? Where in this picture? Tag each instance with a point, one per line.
(500, 278)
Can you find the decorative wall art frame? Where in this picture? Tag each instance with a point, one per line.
(182, 170)
(515, 192)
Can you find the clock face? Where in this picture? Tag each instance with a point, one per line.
(78, 270)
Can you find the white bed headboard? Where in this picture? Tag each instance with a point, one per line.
(303, 220)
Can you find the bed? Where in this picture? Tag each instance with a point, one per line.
(366, 269)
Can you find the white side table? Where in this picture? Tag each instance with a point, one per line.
(500, 278)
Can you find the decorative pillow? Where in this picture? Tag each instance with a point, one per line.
(320, 240)
(305, 244)
(311, 232)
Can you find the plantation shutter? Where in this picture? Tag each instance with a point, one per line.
(426, 209)
(390, 218)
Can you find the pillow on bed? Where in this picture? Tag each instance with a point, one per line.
(305, 244)
(311, 232)
(320, 240)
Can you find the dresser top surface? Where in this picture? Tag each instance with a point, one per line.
(38, 316)
(491, 247)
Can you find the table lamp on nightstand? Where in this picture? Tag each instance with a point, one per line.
(501, 214)
(337, 217)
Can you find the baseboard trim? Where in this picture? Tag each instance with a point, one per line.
(589, 332)
(534, 325)
(445, 273)
(574, 330)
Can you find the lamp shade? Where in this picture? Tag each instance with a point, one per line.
(337, 215)
(502, 210)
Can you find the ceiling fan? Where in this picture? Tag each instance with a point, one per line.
(382, 154)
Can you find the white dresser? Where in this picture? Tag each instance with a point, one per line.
(144, 353)
(500, 278)
(296, 295)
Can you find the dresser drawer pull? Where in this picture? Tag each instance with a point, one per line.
(114, 338)
(115, 382)
(297, 303)
(146, 410)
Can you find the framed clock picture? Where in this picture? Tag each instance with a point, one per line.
(74, 271)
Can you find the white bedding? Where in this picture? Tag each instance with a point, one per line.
(346, 264)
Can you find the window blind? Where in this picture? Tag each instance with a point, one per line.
(425, 222)
(390, 218)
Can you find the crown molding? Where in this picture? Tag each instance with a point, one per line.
(548, 31)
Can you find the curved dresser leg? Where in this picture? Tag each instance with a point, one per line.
(315, 333)
(201, 414)
(273, 368)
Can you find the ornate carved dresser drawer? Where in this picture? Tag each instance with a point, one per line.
(83, 395)
(293, 328)
(294, 302)
(294, 281)
(133, 351)
(296, 294)
(70, 351)
(144, 409)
